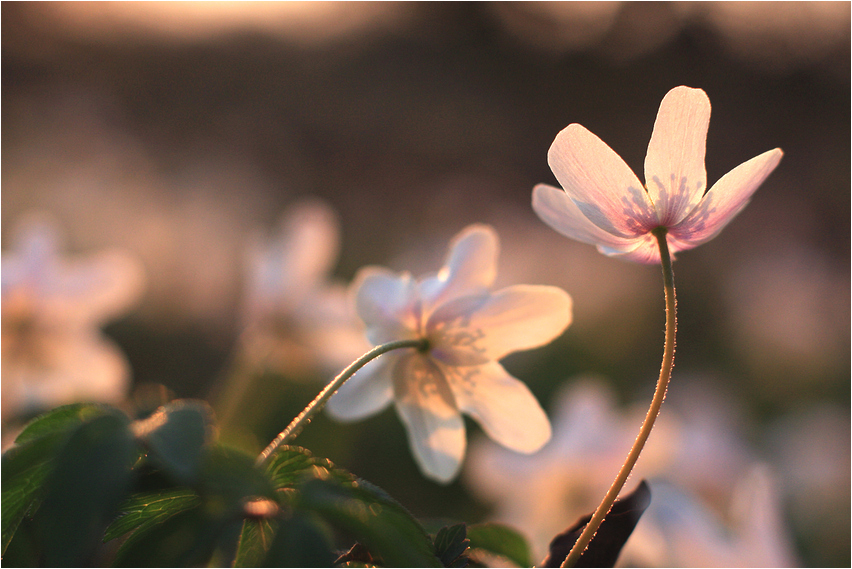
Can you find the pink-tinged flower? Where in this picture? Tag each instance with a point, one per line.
(605, 204)
(53, 350)
(708, 506)
(467, 330)
(295, 317)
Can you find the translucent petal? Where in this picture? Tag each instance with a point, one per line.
(557, 210)
(308, 244)
(474, 330)
(427, 407)
(644, 250)
(726, 199)
(387, 302)
(95, 288)
(366, 393)
(470, 267)
(674, 166)
(508, 412)
(604, 188)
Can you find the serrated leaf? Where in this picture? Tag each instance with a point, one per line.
(61, 419)
(177, 435)
(186, 539)
(23, 490)
(450, 544)
(385, 528)
(255, 541)
(291, 464)
(26, 466)
(91, 476)
(500, 540)
(145, 510)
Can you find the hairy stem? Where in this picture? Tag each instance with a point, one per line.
(315, 406)
(659, 395)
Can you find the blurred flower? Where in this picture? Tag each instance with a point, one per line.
(53, 350)
(295, 318)
(605, 204)
(468, 329)
(678, 530)
(570, 475)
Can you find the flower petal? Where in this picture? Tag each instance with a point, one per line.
(61, 368)
(387, 303)
(644, 250)
(473, 330)
(604, 188)
(96, 288)
(508, 412)
(365, 393)
(726, 199)
(470, 268)
(427, 407)
(557, 210)
(296, 260)
(674, 166)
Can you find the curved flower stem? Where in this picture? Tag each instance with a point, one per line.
(653, 411)
(315, 406)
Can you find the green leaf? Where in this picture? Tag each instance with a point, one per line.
(291, 465)
(450, 545)
(300, 542)
(385, 528)
(91, 477)
(145, 510)
(231, 476)
(177, 435)
(185, 539)
(255, 541)
(61, 420)
(26, 466)
(501, 540)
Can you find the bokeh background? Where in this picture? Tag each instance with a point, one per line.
(177, 130)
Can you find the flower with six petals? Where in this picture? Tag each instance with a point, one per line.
(466, 329)
(605, 204)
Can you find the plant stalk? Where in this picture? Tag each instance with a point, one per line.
(654, 410)
(315, 406)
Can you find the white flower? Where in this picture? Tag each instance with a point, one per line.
(467, 329)
(687, 459)
(605, 204)
(679, 530)
(295, 318)
(53, 350)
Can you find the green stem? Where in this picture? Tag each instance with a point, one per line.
(659, 395)
(315, 406)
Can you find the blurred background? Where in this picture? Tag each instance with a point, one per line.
(181, 132)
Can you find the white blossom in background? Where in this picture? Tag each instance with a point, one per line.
(296, 319)
(52, 309)
(687, 456)
(679, 530)
(467, 329)
(603, 202)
